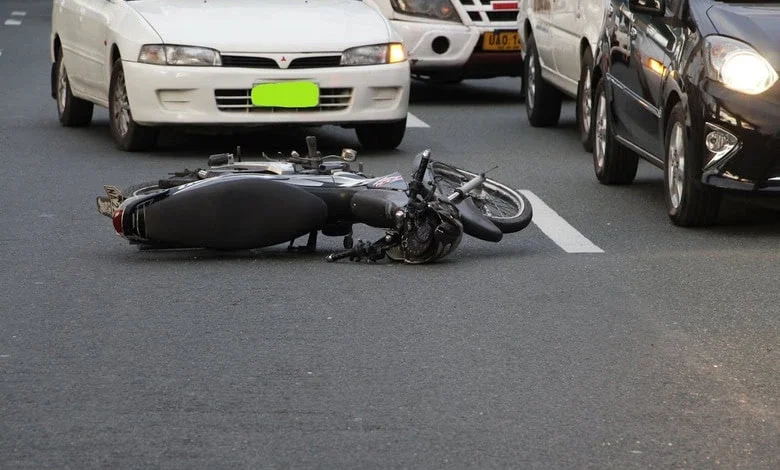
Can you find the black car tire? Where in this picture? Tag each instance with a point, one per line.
(128, 135)
(690, 203)
(613, 163)
(542, 100)
(384, 136)
(72, 111)
(585, 101)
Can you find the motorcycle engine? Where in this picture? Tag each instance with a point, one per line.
(429, 235)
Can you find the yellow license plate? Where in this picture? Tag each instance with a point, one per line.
(501, 41)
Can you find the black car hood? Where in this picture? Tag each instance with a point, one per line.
(757, 24)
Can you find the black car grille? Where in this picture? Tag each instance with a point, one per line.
(774, 153)
(310, 62)
(316, 62)
(240, 101)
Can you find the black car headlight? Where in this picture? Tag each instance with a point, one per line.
(738, 66)
(438, 9)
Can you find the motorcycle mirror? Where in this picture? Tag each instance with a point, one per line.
(349, 155)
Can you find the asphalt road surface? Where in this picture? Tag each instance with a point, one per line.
(599, 337)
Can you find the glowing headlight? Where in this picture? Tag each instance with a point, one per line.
(161, 54)
(738, 66)
(373, 55)
(439, 9)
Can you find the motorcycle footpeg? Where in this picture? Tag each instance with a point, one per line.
(360, 250)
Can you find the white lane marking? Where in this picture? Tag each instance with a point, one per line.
(1, 52)
(19, 13)
(12, 22)
(557, 229)
(414, 121)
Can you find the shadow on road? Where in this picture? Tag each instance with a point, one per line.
(197, 142)
(483, 91)
(738, 214)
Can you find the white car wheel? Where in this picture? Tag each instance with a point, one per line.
(72, 111)
(128, 135)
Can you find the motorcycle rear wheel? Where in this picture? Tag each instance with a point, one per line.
(509, 210)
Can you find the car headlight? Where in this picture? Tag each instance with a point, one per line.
(439, 9)
(162, 54)
(373, 55)
(738, 66)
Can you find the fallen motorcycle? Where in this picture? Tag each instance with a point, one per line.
(235, 205)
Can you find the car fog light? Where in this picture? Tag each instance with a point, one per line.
(719, 143)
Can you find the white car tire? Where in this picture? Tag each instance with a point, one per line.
(585, 100)
(72, 111)
(382, 136)
(128, 135)
(542, 100)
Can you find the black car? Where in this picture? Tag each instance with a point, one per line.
(692, 87)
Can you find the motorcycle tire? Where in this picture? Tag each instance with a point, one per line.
(509, 210)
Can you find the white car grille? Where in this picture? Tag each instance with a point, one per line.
(499, 13)
(240, 101)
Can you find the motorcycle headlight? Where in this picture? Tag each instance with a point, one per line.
(438, 9)
(161, 54)
(373, 55)
(738, 66)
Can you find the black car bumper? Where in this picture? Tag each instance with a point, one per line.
(753, 164)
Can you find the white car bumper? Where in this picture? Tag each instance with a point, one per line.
(454, 49)
(160, 95)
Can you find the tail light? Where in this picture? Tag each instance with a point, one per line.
(117, 220)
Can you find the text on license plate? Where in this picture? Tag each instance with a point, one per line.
(293, 94)
(501, 41)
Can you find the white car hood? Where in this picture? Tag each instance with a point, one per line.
(265, 25)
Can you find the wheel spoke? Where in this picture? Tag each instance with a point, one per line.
(676, 164)
(601, 130)
(62, 86)
(586, 104)
(531, 85)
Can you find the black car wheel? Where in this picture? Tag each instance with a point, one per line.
(542, 100)
(613, 163)
(585, 101)
(688, 201)
(72, 111)
(128, 135)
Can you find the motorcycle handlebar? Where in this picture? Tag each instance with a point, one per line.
(424, 160)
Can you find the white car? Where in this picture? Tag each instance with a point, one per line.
(229, 62)
(452, 40)
(560, 39)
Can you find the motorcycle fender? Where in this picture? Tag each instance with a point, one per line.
(476, 224)
(233, 213)
(377, 207)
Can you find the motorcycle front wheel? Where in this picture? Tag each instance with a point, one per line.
(509, 210)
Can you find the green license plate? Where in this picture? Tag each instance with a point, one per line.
(297, 94)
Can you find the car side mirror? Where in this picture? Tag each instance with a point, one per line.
(647, 7)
